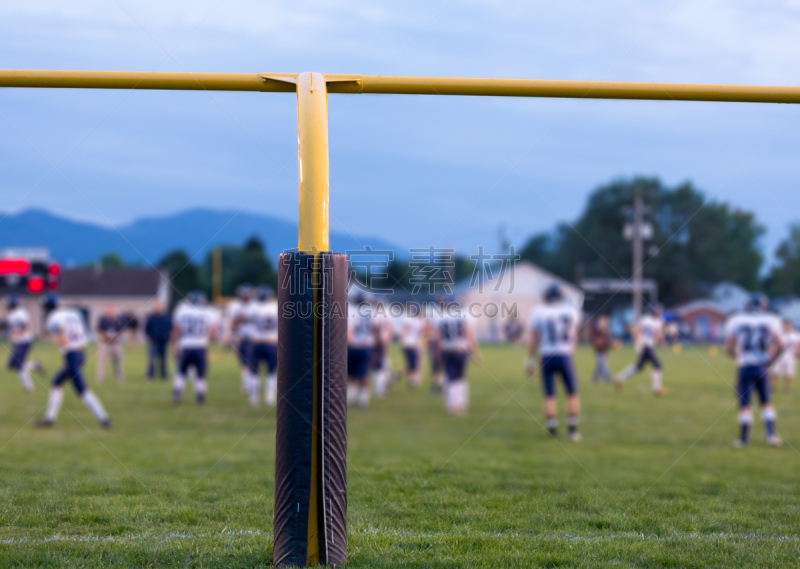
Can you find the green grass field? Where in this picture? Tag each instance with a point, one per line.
(655, 483)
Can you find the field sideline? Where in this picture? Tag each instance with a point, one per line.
(655, 483)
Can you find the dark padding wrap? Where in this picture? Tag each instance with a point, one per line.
(311, 291)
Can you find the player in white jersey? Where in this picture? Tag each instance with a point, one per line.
(239, 329)
(648, 333)
(384, 332)
(194, 326)
(455, 338)
(361, 336)
(434, 350)
(554, 334)
(68, 330)
(265, 347)
(785, 364)
(753, 339)
(411, 332)
(21, 336)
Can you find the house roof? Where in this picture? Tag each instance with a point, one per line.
(698, 305)
(110, 282)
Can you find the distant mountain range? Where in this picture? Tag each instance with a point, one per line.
(146, 240)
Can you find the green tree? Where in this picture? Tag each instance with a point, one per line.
(111, 261)
(184, 275)
(696, 242)
(784, 277)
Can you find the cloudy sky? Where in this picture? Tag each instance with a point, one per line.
(416, 170)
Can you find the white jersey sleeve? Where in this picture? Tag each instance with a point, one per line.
(650, 328)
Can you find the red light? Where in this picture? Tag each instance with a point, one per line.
(53, 285)
(36, 285)
(14, 266)
(54, 270)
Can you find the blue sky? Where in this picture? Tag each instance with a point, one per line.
(415, 170)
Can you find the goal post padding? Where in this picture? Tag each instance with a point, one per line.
(311, 439)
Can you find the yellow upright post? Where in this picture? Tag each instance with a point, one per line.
(312, 161)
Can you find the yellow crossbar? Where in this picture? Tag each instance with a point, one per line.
(377, 84)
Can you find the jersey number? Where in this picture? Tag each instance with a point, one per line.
(556, 335)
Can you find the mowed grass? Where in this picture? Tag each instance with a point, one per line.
(655, 482)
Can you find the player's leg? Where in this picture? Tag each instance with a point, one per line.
(573, 400)
(162, 350)
(56, 397)
(88, 397)
(631, 369)
(181, 369)
(456, 394)
(768, 414)
(744, 385)
(253, 379)
(412, 366)
(17, 363)
(549, 390)
(243, 351)
(364, 358)
(658, 388)
(200, 383)
(271, 381)
(437, 370)
(376, 371)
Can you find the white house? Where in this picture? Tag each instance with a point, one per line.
(506, 296)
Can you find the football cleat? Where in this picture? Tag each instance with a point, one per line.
(661, 392)
(200, 398)
(105, 423)
(575, 437)
(43, 423)
(775, 441)
(39, 368)
(739, 443)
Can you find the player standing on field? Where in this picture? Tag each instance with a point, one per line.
(554, 333)
(21, 336)
(785, 365)
(753, 339)
(455, 338)
(648, 333)
(194, 326)
(265, 347)
(69, 333)
(411, 340)
(360, 343)
(384, 332)
(239, 328)
(601, 341)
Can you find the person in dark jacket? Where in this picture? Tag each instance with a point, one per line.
(158, 330)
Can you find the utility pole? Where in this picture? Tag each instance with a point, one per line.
(638, 251)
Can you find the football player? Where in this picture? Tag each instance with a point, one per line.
(411, 339)
(265, 347)
(21, 336)
(648, 332)
(239, 329)
(753, 339)
(68, 330)
(554, 334)
(434, 350)
(785, 364)
(194, 326)
(455, 338)
(361, 336)
(384, 332)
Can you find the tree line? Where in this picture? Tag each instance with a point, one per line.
(696, 242)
